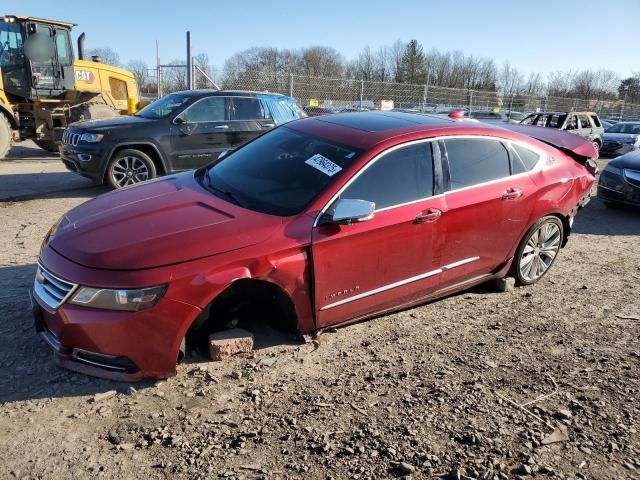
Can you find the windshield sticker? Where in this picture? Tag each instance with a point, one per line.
(323, 164)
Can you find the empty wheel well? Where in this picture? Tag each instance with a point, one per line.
(149, 150)
(244, 303)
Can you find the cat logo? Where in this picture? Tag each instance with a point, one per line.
(84, 76)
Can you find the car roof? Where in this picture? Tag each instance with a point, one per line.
(205, 92)
(574, 112)
(366, 129)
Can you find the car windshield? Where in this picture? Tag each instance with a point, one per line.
(633, 128)
(164, 106)
(279, 173)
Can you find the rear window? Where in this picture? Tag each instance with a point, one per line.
(522, 159)
(476, 160)
(596, 120)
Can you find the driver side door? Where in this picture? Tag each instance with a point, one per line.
(200, 133)
(391, 259)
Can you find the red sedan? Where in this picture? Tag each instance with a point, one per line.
(321, 222)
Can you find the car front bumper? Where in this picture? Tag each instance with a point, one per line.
(616, 188)
(87, 160)
(117, 345)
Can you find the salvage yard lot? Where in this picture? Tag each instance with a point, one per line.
(427, 392)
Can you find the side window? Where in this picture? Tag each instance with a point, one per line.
(400, 176)
(248, 109)
(584, 121)
(62, 45)
(209, 109)
(572, 123)
(118, 88)
(522, 159)
(596, 121)
(476, 160)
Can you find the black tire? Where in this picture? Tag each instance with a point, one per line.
(6, 136)
(48, 145)
(122, 168)
(92, 111)
(520, 262)
(596, 145)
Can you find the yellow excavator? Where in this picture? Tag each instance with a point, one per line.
(43, 88)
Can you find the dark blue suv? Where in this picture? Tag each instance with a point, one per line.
(181, 131)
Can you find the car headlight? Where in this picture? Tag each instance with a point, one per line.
(91, 137)
(118, 299)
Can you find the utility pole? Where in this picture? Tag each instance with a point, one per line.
(158, 77)
(189, 63)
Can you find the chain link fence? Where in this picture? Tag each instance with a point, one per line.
(325, 95)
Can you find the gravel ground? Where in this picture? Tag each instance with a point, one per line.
(536, 382)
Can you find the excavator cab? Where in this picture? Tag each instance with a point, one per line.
(36, 59)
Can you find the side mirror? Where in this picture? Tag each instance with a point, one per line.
(224, 153)
(350, 211)
(179, 120)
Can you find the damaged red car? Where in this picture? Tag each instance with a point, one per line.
(320, 222)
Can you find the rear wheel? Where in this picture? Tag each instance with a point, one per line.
(129, 167)
(596, 145)
(48, 145)
(6, 137)
(537, 251)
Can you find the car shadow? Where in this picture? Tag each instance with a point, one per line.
(597, 219)
(26, 361)
(16, 187)
(29, 151)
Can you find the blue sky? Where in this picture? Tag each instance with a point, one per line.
(538, 35)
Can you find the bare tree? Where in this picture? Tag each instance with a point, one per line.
(106, 54)
(140, 70)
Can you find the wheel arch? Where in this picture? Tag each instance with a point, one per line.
(275, 305)
(149, 148)
(11, 118)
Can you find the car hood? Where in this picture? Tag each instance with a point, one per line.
(619, 136)
(122, 121)
(163, 222)
(629, 160)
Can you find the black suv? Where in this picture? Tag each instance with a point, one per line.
(181, 131)
(585, 124)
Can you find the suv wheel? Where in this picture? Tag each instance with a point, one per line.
(129, 167)
(596, 145)
(537, 251)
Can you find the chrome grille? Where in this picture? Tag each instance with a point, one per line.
(50, 289)
(70, 138)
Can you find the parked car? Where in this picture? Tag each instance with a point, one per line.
(495, 117)
(621, 138)
(320, 222)
(585, 124)
(606, 123)
(619, 182)
(181, 131)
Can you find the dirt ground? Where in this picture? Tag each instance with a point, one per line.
(437, 391)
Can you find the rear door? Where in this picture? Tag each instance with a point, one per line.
(249, 118)
(200, 133)
(487, 208)
(585, 128)
(391, 259)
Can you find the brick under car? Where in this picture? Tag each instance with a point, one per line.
(317, 223)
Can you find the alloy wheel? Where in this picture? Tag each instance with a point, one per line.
(540, 251)
(129, 170)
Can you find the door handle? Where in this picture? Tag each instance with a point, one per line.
(430, 215)
(268, 125)
(512, 193)
(221, 127)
